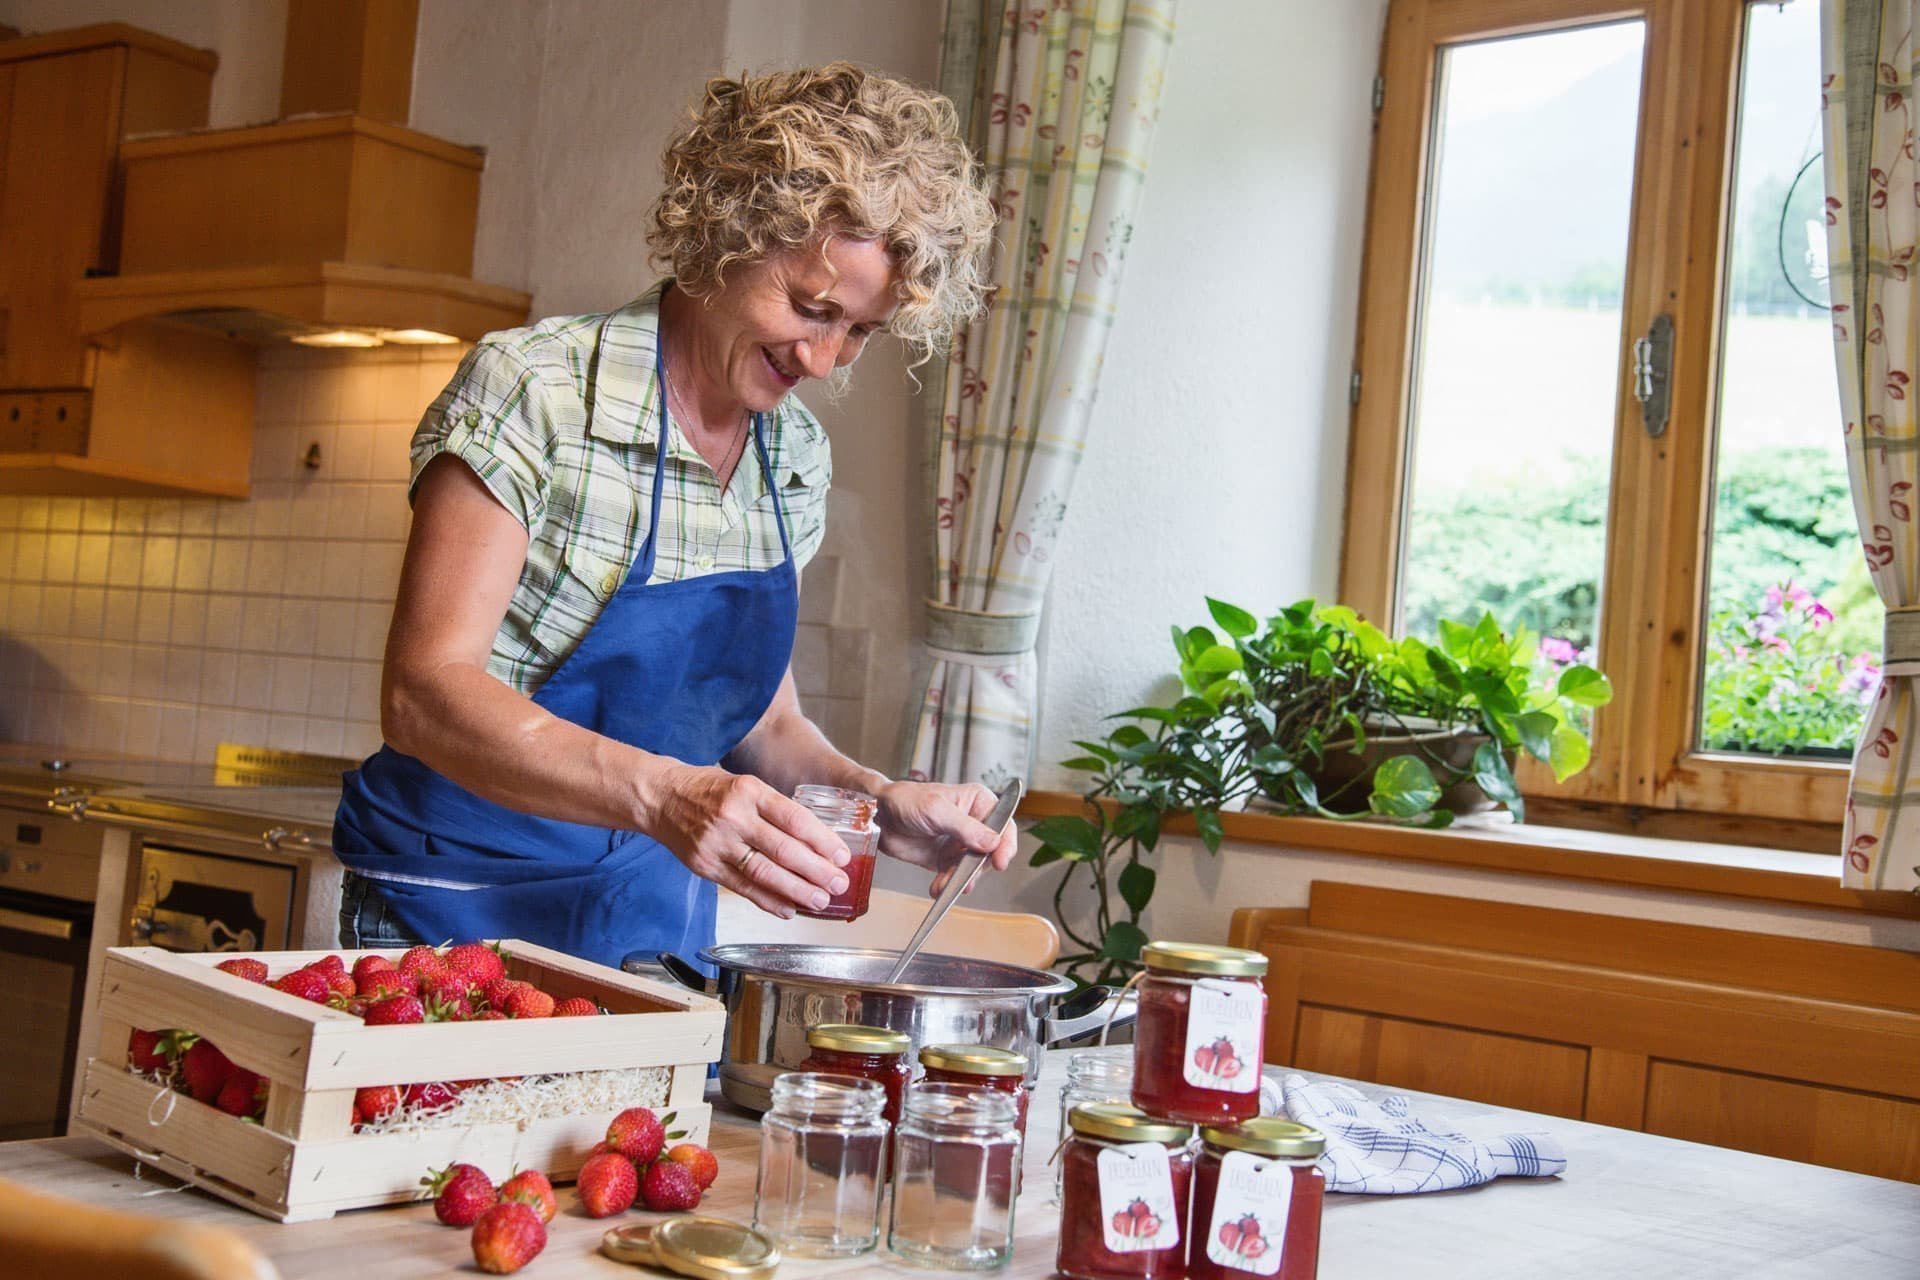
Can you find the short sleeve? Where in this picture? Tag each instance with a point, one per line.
(497, 416)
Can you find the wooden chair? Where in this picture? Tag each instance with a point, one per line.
(1012, 936)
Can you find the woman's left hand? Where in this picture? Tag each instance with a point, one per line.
(935, 824)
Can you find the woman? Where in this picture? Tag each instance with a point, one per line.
(589, 715)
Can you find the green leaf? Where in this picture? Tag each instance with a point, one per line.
(1570, 752)
(1585, 687)
(1128, 735)
(1403, 787)
(1087, 764)
(1045, 854)
(1270, 759)
(1136, 886)
(1198, 641)
(1123, 942)
(1218, 660)
(1208, 820)
(1446, 672)
(1100, 749)
(1320, 664)
(1195, 708)
(1233, 620)
(1491, 772)
(1137, 822)
(1180, 642)
(1456, 639)
(1161, 715)
(1535, 731)
(1074, 837)
(1225, 687)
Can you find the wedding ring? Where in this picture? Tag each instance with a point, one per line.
(746, 860)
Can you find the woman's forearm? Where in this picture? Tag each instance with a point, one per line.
(786, 750)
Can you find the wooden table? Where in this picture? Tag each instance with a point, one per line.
(1630, 1205)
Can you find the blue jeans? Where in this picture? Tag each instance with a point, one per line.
(365, 919)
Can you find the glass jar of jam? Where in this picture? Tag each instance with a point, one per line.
(1201, 1035)
(871, 1053)
(984, 1067)
(823, 1152)
(853, 817)
(956, 1173)
(1123, 1202)
(1257, 1192)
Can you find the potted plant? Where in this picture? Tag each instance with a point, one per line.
(1267, 707)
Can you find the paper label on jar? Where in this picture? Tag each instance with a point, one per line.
(1136, 1198)
(1223, 1036)
(1250, 1213)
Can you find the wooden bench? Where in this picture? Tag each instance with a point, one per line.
(1788, 1047)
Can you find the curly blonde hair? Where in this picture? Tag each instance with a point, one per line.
(781, 161)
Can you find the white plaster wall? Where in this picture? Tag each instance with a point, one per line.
(247, 34)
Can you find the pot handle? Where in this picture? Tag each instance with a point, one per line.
(688, 976)
(1087, 1010)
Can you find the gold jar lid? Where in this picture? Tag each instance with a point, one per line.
(974, 1060)
(1208, 961)
(705, 1248)
(1266, 1136)
(1118, 1122)
(848, 1038)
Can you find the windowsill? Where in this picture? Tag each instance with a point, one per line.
(1498, 844)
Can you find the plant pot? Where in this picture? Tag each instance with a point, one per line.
(1350, 773)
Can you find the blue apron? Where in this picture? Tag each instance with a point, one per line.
(682, 669)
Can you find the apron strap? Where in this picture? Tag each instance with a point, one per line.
(766, 472)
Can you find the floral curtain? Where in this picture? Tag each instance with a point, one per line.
(1069, 114)
(1873, 250)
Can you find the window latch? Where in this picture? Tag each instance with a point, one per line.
(1653, 374)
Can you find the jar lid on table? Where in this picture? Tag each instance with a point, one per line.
(1118, 1122)
(1267, 1136)
(974, 1060)
(845, 1037)
(1200, 958)
(704, 1248)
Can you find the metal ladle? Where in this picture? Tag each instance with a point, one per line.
(963, 873)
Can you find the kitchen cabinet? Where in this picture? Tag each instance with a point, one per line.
(145, 409)
(1784, 1046)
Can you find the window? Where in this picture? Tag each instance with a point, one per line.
(1550, 178)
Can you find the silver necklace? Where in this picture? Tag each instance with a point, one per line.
(725, 471)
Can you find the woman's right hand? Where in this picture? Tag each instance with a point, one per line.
(735, 830)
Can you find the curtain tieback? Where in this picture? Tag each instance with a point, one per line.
(1900, 641)
(977, 637)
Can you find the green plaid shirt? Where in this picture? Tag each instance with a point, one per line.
(560, 422)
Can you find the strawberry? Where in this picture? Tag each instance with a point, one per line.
(1253, 1246)
(637, 1134)
(371, 963)
(436, 1096)
(489, 1015)
(242, 967)
(329, 964)
(240, 1094)
(340, 984)
(607, 1184)
(461, 1193)
(205, 1070)
(147, 1052)
(575, 1007)
(1123, 1223)
(507, 1237)
(477, 962)
(499, 989)
(304, 983)
(529, 1003)
(396, 1011)
(699, 1160)
(377, 1102)
(532, 1189)
(421, 963)
(383, 982)
(669, 1187)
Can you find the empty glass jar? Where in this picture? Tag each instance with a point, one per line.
(822, 1149)
(1096, 1075)
(853, 816)
(956, 1167)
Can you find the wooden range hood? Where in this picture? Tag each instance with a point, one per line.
(337, 218)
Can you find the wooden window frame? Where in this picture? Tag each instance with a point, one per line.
(1651, 635)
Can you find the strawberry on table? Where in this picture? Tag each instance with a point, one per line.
(507, 1237)
(205, 1070)
(700, 1161)
(149, 1051)
(669, 1187)
(306, 984)
(532, 1189)
(461, 1193)
(477, 962)
(377, 1101)
(607, 1184)
(529, 1003)
(384, 982)
(637, 1134)
(575, 1007)
(243, 1094)
(396, 1011)
(370, 964)
(243, 967)
(434, 1096)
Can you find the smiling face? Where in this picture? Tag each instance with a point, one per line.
(800, 314)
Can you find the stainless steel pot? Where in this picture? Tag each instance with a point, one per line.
(775, 992)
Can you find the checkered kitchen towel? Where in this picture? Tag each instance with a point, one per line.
(1378, 1148)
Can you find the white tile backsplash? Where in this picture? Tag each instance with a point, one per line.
(162, 627)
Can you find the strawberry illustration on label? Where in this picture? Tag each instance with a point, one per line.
(1224, 1037)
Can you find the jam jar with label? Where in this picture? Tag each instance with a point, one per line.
(853, 816)
(871, 1053)
(1201, 1034)
(984, 1067)
(1257, 1192)
(1123, 1196)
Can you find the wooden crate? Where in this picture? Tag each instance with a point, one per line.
(305, 1162)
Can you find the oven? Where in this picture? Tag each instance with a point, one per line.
(49, 872)
(197, 899)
